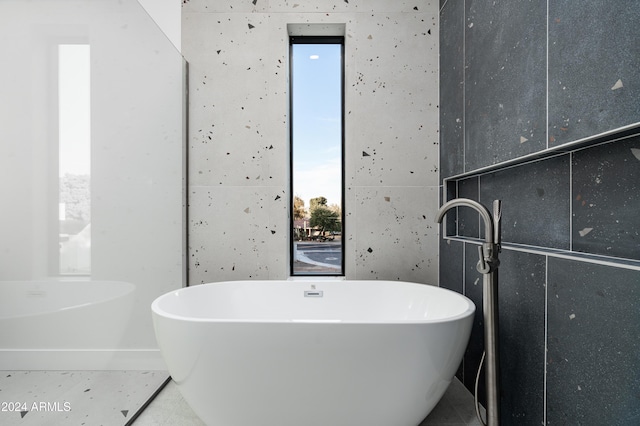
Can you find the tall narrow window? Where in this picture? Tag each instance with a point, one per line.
(317, 136)
(74, 160)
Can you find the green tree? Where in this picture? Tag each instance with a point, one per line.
(299, 212)
(314, 203)
(336, 208)
(325, 219)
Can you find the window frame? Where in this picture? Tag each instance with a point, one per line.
(317, 39)
(54, 248)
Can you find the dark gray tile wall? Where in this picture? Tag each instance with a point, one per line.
(522, 316)
(451, 255)
(521, 296)
(473, 290)
(451, 274)
(593, 347)
(505, 80)
(535, 200)
(468, 219)
(452, 89)
(606, 199)
(594, 67)
(583, 201)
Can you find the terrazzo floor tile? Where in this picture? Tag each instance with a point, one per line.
(35, 398)
(169, 408)
(454, 409)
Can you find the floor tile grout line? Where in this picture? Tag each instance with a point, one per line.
(148, 401)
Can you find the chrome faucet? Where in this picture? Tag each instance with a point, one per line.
(488, 264)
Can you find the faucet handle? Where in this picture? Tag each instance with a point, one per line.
(482, 266)
(497, 223)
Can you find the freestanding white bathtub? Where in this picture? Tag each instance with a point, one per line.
(312, 353)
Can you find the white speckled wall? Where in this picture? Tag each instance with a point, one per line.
(239, 137)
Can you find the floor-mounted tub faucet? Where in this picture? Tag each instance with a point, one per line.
(488, 267)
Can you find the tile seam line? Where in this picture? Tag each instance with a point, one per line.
(546, 335)
(547, 133)
(621, 263)
(464, 87)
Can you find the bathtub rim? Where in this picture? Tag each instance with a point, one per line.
(469, 311)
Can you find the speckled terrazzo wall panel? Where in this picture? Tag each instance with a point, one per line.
(535, 202)
(522, 329)
(522, 295)
(594, 67)
(237, 148)
(473, 290)
(606, 200)
(239, 130)
(468, 219)
(593, 347)
(392, 250)
(244, 249)
(392, 146)
(451, 274)
(505, 76)
(452, 90)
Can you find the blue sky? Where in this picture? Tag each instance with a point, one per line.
(317, 139)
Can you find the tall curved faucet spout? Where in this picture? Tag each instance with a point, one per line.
(465, 202)
(488, 266)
